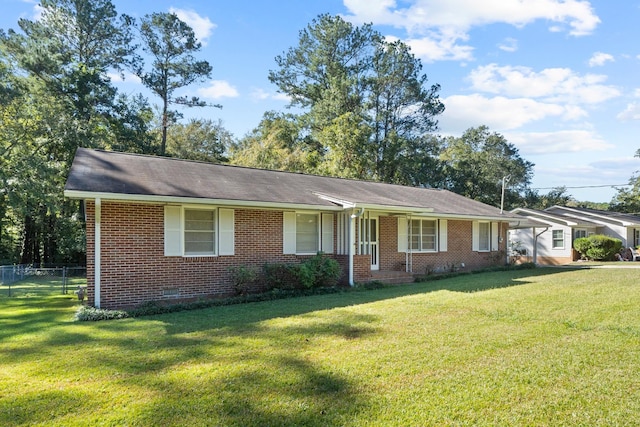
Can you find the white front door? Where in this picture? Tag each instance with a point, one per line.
(369, 240)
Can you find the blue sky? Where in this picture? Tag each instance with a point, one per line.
(559, 79)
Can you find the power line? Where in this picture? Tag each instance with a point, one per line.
(583, 186)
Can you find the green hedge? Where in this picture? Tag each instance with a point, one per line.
(598, 247)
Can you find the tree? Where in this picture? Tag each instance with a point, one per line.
(477, 162)
(627, 200)
(277, 144)
(365, 100)
(61, 98)
(171, 43)
(199, 139)
(69, 52)
(403, 111)
(555, 197)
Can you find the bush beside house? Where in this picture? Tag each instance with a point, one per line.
(598, 247)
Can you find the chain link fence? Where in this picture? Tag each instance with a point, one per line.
(15, 277)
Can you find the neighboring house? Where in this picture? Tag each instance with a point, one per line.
(167, 229)
(546, 237)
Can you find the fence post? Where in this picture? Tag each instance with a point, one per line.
(64, 280)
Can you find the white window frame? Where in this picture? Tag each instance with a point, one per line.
(213, 232)
(175, 229)
(493, 240)
(435, 235)
(636, 237)
(554, 239)
(324, 230)
(481, 224)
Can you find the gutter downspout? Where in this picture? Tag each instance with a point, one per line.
(96, 252)
(535, 244)
(352, 242)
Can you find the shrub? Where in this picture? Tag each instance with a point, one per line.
(326, 271)
(316, 272)
(582, 245)
(303, 274)
(279, 276)
(598, 247)
(85, 314)
(243, 278)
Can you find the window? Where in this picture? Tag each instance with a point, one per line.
(636, 237)
(307, 233)
(484, 236)
(423, 235)
(558, 239)
(199, 232)
(193, 231)
(580, 233)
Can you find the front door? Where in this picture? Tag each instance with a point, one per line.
(369, 240)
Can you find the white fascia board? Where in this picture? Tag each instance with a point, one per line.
(590, 216)
(75, 194)
(546, 218)
(344, 203)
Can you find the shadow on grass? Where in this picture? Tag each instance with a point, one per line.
(226, 365)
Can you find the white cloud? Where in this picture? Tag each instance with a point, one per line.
(218, 89)
(202, 26)
(509, 45)
(465, 14)
(500, 113)
(259, 94)
(632, 112)
(550, 84)
(128, 77)
(440, 47)
(436, 27)
(599, 59)
(565, 141)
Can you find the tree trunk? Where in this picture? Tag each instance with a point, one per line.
(30, 253)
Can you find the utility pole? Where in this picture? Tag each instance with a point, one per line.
(505, 180)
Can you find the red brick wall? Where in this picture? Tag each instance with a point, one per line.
(135, 270)
(459, 249)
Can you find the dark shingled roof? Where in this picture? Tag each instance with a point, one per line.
(95, 171)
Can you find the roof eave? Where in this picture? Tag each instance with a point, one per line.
(150, 198)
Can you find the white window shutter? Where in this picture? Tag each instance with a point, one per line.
(402, 235)
(494, 236)
(475, 236)
(289, 232)
(327, 233)
(172, 231)
(443, 238)
(226, 235)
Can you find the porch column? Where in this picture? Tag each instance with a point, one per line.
(352, 241)
(96, 252)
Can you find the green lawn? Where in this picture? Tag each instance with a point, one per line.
(538, 347)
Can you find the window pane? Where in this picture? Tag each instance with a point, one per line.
(307, 236)
(199, 232)
(415, 243)
(483, 236)
(429, 243)
(558, 239)
(428, 235)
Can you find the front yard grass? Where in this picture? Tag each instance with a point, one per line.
(536, 347)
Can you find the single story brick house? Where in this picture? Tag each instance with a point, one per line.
(165, 229)
(546, 236)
